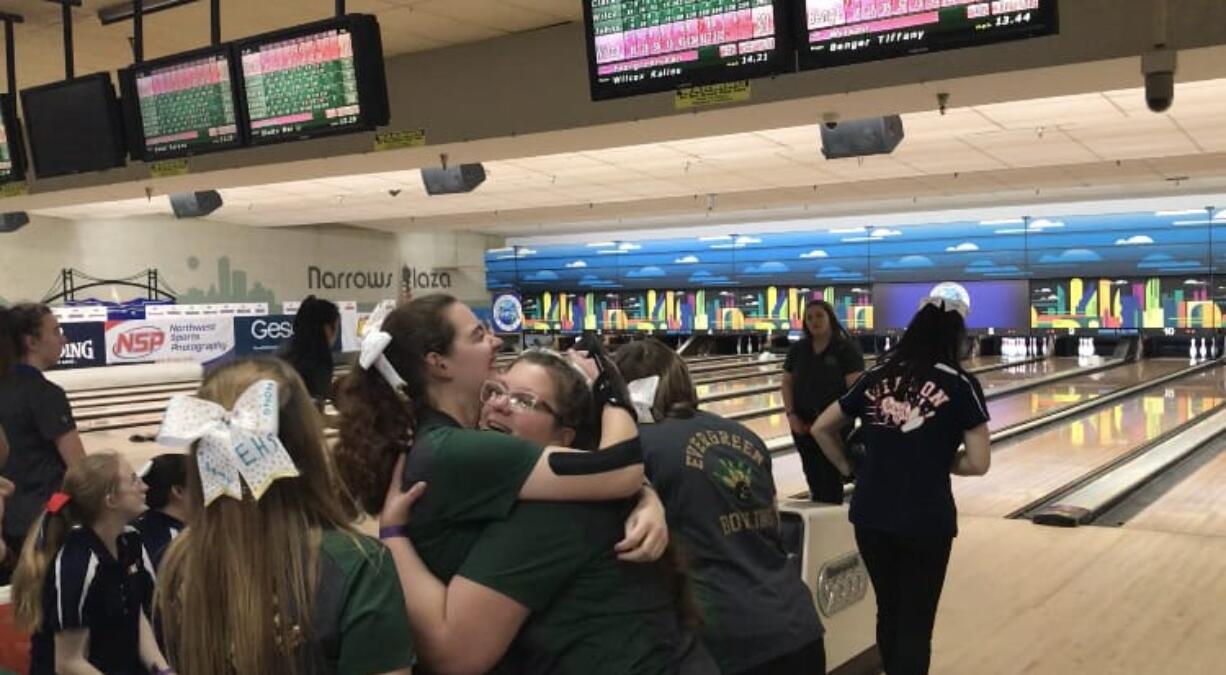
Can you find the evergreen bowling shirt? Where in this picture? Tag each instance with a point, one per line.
(820, 379)
(87, 588)
(715, 479)
(157, 530)
(34, 412)
(474, 478)
(910, 439)
(359, 626)
(591, 613)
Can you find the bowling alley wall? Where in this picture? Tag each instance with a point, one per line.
(1154, 270)
(204, 262)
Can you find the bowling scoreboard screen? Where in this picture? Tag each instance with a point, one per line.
(995, 306)
(319, 79)
(12, 155)
(644, 46)
(182, 105)
(840, 32)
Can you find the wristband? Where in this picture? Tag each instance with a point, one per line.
(394, 531)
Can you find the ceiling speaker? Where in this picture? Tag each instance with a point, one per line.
(13, 221)
(195, 204)
(453, 180)
(859, 138)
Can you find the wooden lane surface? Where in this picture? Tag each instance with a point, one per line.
(1022, 599)
(1034, 465)
(1196, 505)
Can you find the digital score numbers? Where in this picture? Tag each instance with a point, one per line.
(643, 46)
(301, 86)
(187, 107)
(839, 32)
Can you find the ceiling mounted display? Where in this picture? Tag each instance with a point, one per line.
(181, 105)
(840, 32)
(314, 80)
(644, 46)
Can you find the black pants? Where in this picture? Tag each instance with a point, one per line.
(808, 660)
(907, 574)
(825, 483)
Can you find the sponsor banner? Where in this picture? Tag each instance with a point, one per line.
(84, 344)
(262, 334)
(160, 340)
(507, 313)
(85, 314)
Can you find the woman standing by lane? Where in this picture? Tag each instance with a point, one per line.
(715, 478)
(36, 417)
(916, 409)
(817, 371)
(310, 349)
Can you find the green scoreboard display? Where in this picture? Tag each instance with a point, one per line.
(182, 105)
(314, 80)
(644, 46)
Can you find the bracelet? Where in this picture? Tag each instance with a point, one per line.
(394, 531)
(162, 671)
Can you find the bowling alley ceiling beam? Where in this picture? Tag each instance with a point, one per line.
(527, 95)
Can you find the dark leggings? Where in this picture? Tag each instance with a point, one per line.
(825, 483)
(808, 660)
(907, 574)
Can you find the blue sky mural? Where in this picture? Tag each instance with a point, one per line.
(1137, 244)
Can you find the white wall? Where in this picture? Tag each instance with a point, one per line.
(202, 261)
(447, 262)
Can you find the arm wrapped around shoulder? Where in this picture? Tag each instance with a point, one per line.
(617, 456)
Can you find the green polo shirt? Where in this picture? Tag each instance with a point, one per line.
(359, 624)
(591, 613)
(474, 477)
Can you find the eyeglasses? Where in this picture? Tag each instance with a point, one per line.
(521, 401)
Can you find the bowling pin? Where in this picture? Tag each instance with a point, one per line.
(1203, 351)
(1213, 348)
(1192, 350)
(887, 343)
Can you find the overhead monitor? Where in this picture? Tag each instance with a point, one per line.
(74, 126)
(12, 148)
(314, 80)
(182, 105)
(840, 32)
(644, 46)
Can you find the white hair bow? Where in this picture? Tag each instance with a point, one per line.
(374, 342)
(643, 397)
(233, 446)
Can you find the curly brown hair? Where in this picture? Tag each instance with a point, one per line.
(377, 423)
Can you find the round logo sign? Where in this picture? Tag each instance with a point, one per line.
(508, 314)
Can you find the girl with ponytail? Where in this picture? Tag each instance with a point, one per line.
(83, 583)
(916, 408)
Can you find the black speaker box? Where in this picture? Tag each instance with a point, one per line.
(453, 180)
(13, 221)
(858, 138)
(195, 204)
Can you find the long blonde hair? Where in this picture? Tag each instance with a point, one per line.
(87, 484)
(236, 589)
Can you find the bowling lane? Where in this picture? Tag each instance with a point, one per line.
(723, 364)
(995, 379)
(1021, 406)
(732, 406)
(769, 426)
(712, 388)
(1034, 465)
(1196, 505)
(766, 368)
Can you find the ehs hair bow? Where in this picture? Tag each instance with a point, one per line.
(233, 446)
(374, 342)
